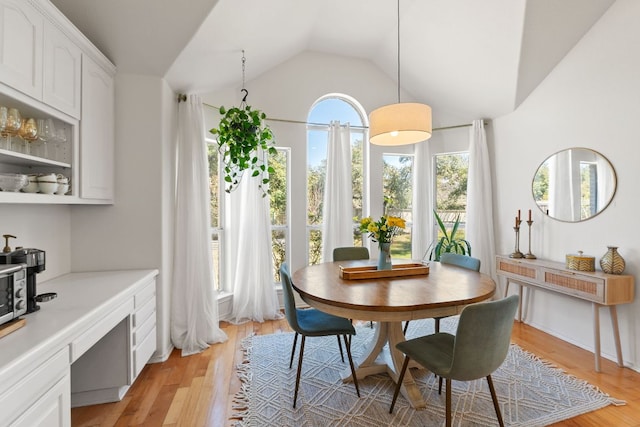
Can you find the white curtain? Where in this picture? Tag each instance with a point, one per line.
(337, 209)
(249, 226)
(479, 227)
(194, 306)
(422, 230)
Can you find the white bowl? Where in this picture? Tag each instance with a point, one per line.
(48, 187)
(62, 189)
(13, 181)
(32, 186)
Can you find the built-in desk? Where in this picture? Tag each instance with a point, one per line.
(88, 345)
(599, 288)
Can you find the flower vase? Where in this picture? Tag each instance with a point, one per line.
(384, 258)
(612, 262)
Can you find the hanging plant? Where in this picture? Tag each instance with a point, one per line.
(244, 142)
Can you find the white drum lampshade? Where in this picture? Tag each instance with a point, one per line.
(400, 124)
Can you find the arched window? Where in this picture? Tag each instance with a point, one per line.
(342, 108)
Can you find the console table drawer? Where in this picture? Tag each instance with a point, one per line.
(517, 270)
(588, 288)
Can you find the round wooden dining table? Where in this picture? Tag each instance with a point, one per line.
(389, 301)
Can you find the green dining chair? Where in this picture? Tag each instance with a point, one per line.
(463, 261)
(478, 348)
(313, 323)
(351, 253)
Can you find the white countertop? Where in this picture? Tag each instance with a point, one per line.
(83, 299)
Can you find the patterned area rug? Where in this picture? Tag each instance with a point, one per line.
(530, 391)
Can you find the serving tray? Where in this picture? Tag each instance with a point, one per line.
(372, 272)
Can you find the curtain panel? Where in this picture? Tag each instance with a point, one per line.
(337, 207)
(194, 305)
(479, 227)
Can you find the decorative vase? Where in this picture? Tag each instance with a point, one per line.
(384, 258)
(612, 262)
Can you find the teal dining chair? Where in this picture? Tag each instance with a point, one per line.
(478, 348)
(313, 323)
(351, 253)
(464, 261)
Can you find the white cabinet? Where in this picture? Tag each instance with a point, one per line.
(50, 410)
(62, 72)
(48, 69)
(42, 397)
(21, 42)
(96, 132)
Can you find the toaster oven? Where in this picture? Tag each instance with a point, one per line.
(13, 291)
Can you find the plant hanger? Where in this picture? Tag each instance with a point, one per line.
(244, 142)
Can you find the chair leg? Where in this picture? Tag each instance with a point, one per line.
(448, 407)
(406, 325)
(437, 327)
(400, 378)
(347, 344)
(371, 324)
(439, 385)
(293, 349)
(496, 405)
(295, 394)
(340, 346)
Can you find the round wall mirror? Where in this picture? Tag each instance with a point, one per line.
(574, 185)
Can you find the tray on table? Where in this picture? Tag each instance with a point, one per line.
(372, 272)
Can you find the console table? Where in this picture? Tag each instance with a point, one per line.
(599, 288)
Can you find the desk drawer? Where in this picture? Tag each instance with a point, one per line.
(141, 315)
(585, 287)
(85, 341)
(144, 351)
(143, 296)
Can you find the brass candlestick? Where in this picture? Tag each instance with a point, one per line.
(529, 255)
(516, 253)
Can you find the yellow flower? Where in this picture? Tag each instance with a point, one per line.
(382, 230)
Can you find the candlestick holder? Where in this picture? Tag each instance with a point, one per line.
(516, 253)
(529, 255)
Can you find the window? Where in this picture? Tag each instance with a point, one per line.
(451, 171)
(216, 209)
(397, 179)
(279, 187)
(323, 112)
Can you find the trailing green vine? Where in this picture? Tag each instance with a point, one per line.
(244, 142)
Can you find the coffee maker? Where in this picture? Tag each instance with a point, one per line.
(35, 260)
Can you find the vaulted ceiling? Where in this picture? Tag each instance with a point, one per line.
(469, 57)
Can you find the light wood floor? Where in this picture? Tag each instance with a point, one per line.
(198, 390)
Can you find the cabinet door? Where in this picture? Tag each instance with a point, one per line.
(62, 72)
(96, 132)
(21, 47)
(53, 409)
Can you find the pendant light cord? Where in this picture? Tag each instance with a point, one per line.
(398, 51)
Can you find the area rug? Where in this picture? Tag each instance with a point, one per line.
(530, 391)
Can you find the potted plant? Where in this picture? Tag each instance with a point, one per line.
(449, 241)
(244, 141)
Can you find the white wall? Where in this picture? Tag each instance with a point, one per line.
(591, 99)
(135, 232)
(45, 227)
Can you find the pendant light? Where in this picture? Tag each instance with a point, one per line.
(401, 123)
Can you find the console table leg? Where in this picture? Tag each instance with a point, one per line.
(616, 333)
(596, 334)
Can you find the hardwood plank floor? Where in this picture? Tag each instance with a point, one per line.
(199, 390)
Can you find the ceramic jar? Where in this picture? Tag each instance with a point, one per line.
(612, 262)
(384, 258)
